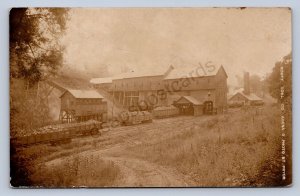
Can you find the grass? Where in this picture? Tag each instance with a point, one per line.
(241, 148)
(235, 149)
(77, 171)
(28, 168)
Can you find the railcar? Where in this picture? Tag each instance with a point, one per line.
(59, 133)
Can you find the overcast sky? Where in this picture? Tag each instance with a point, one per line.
(239, 39)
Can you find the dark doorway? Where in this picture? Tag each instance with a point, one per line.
(208, 107)
(185, 109)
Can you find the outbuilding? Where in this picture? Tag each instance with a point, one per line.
(241, 98)
(188, 105)
(82, 105)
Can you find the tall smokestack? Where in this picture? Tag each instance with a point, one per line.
(246, 83)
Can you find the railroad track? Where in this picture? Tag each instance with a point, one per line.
(130, 136)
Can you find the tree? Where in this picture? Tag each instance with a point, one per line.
(35, 52)
(35, 55)
(282, 69)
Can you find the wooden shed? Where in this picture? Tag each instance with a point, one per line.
(241, 98)
(82, 105)
(188, 105)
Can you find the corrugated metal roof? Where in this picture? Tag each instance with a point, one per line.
(84, 94)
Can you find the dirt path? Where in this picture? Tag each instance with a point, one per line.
(135, 171)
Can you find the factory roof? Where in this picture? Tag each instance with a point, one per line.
(194, 71)
(168, 74)
(84, 94)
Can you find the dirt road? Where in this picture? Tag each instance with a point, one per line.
(115, 143)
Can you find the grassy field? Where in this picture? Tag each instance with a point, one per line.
(240, 148)
(76, 172)
(236, 149)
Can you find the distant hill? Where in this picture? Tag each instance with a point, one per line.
(72, 79)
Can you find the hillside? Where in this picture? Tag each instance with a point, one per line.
(72, 79)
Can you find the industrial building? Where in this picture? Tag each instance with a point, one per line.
(82, 105)
(244, 96)
(194, 90)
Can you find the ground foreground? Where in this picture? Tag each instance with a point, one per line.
(240, 148)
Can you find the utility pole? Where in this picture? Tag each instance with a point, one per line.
(113, 103)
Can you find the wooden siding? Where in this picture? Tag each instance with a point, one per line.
(238, 98)
(190, 83)
(137, 84)
(82, 107)
(206, 88)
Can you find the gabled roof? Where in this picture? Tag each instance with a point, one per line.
(194, 71)
(250, 97)
(132, 74)
(189, 99)
(141, 73)
(168, 74)
(84, 94)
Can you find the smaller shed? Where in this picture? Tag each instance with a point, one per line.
(82, 105)
(189, 105)
(240, 99)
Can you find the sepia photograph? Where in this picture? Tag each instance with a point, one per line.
(150, 97)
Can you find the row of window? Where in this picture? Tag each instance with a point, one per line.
(85, 101)
(140, 84)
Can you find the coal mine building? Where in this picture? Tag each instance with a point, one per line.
(194, 90)
(82, 105)
(242, 98)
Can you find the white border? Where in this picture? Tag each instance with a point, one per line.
(5, 5)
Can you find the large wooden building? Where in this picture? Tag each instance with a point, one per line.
(205, 85)
(82, 105)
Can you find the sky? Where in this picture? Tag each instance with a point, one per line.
(250, 39)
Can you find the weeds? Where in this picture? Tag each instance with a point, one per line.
(77, 171)
(236, 150)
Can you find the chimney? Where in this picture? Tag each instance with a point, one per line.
(246, 83)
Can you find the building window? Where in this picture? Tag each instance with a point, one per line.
(131, 97)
